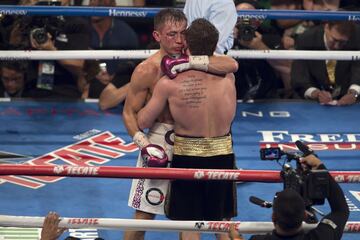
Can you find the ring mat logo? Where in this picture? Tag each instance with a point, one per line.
(92, 151)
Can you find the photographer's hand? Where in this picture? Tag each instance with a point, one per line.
(256, 43)
(15, 37)
(104, 77)
(311, 161)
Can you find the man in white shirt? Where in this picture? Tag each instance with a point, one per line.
(221, 13)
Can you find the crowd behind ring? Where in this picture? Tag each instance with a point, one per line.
(328, 82)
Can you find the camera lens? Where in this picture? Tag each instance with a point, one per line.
(247, 33)
(39, 35)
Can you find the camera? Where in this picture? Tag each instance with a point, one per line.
(38, 27)
(39, 35)
(312, 185)
(247, 28)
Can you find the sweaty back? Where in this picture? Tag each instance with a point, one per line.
(202, 104)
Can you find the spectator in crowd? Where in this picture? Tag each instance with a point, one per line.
(112, 96)
(109, 33)
(9, 2)
(133, 3)
(287, 31)
(321, 4)
(289, 213)
(328, 82)
(355, 4)
(3, 37)
(221, 13)
(13, 79)
(330, 4)
(256, 78)
(60, 78)
(289, 28)
(27, 2)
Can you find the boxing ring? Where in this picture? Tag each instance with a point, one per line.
(77, 134)
(61, 133)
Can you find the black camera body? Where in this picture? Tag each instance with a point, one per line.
(247, 28)
(38, 27)
(312, 185)
(39, 35)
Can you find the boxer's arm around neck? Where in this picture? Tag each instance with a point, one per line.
(222, 65)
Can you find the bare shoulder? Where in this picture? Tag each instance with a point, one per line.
(165, 85)
(145, 70)
(148, 70)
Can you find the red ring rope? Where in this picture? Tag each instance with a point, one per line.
(160, 173)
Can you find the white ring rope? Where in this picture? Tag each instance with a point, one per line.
(142, 54)
(155, 225)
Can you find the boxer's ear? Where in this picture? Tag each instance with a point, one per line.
(156, 36)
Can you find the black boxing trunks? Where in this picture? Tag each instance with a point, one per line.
(202, 200)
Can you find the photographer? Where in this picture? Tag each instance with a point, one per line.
(60, 78)
(256, 78)
(289, 213)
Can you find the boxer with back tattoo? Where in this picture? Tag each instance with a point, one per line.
(203, 107)
(147, 196)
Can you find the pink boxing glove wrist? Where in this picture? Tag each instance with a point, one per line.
(154, 156)
(171, 66)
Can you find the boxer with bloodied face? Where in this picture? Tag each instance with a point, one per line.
(147, 196)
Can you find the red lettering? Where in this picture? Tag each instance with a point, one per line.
(79, 159)
(109, 140)
(88, 146)
(346, 146)
(22, 181)
(353, 227)
(90, 112)
(83, 221)
(36, 111)
(11, 112)
(43, 160)
(46, 179)
(69, 112)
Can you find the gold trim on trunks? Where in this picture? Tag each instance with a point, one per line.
(203, 147)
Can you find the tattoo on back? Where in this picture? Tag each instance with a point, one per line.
(193, 91)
